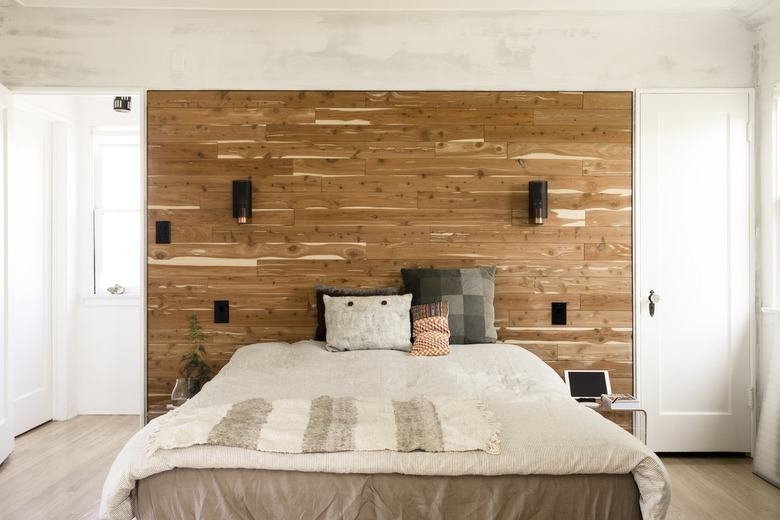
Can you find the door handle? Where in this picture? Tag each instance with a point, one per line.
(653, 298)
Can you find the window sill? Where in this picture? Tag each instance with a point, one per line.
(111, 300)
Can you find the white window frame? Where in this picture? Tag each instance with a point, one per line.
(121, 137)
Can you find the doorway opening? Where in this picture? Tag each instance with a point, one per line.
(86, 353)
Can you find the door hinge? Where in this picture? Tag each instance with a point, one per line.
(751, 398)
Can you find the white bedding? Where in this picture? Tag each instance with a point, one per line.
(544, 430)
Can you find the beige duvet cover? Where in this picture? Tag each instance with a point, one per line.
(544, 431)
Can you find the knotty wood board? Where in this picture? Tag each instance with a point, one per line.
(349, 187)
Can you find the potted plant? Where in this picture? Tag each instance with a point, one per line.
(195, 369)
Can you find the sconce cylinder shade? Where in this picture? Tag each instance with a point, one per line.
(122, 103)
(537, 201)
(242, 201)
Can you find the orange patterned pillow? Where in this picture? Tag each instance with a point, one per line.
(431, 330)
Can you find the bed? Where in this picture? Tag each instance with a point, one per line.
(555, 458)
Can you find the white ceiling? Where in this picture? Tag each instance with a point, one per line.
(741, 6)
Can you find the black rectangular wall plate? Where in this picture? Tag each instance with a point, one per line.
(559, 313)
(221, 311)
(162, 232)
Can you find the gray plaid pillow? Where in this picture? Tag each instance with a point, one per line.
(469, 296)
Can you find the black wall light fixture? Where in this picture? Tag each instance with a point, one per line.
(242, 201)
(537, 202)
(122, 103)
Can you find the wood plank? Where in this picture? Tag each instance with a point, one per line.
(583, 285)
(309, 150)
(614, 186)
(605, 338)
(605, 251)
(406, 184)
(608, 100)
(483, 150)
(607, 302)
(189, 217)
(474, 167)
(457, 200)
(563, 150)
(609, 217)
(251, 99)
(582, 318)
(329, 167)
(564, 268)
(538, 234)
(487, 252)
(513, 100)
(204, 133)
(399, 217)
(589, 201)
(181, 151)
(324, 233)
(590, 116)
(560, 133)
(306, 199)
(598, 352)
(606, 167)
(239, 253)
(375, 133)
(235, 115)
(423, 116)
(231, 169)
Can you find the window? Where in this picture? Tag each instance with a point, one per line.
(117, 211)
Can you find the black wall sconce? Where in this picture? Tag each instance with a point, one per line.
(537, 202)
(122, 103)
(242, 201)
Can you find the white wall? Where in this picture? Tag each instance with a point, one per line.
(380, 50)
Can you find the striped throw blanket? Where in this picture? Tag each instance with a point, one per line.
(332, 424)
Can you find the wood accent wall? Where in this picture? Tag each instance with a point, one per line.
(348, 187)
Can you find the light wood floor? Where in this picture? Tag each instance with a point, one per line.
(719, 488)
(57, 472)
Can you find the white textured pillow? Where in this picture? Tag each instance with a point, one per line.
(368, 322)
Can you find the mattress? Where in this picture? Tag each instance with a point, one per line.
(544, 431)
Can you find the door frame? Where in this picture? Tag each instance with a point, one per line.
(6, 375)
(638, 297)
(64, 355)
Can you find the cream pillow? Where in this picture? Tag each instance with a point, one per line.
(368, 322)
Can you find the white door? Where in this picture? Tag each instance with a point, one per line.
(6, 388)
(29, 270)
(693, 249)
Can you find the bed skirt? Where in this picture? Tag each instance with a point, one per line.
(244, 494)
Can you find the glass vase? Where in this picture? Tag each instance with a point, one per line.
(181, 392)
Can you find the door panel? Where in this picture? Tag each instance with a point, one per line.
(29, 268)
(693, 249)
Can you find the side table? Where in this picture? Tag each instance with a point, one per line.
(633, 420)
